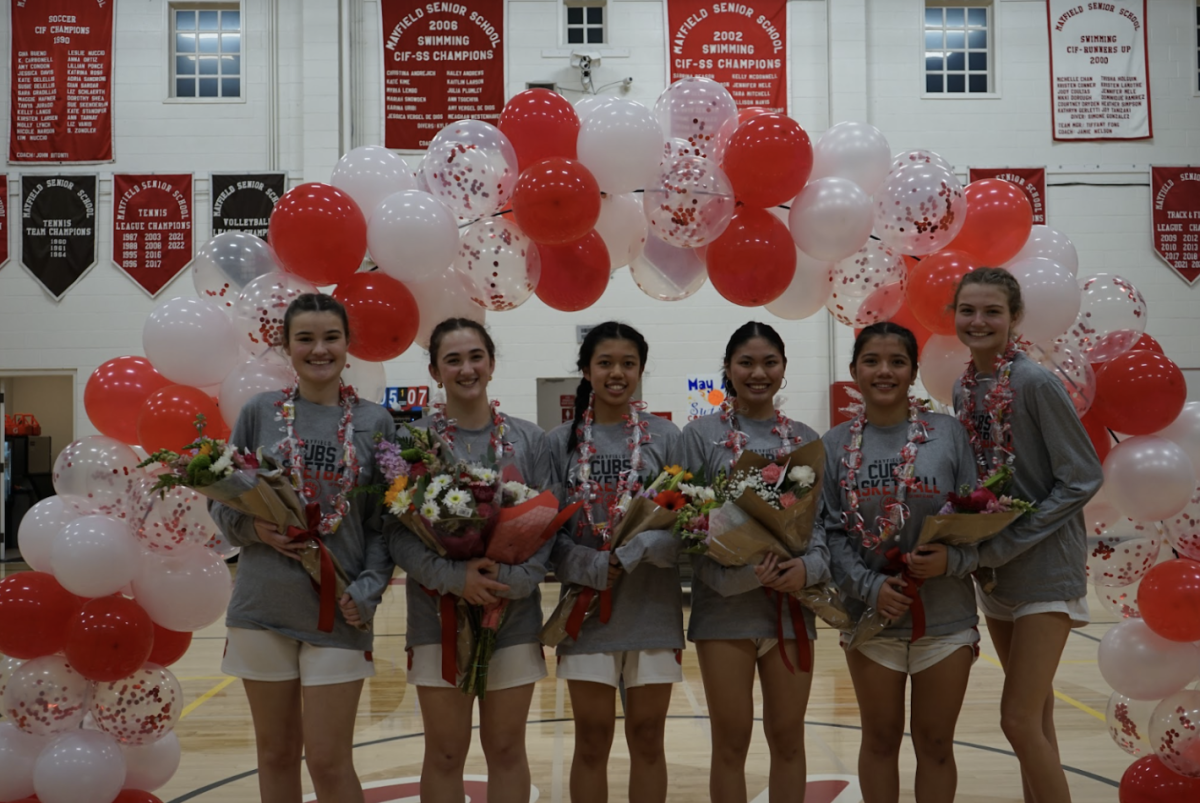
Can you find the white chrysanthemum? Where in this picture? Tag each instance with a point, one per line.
(483, 474)
(401, 503)
(429, 510)
(803, 476)
(224, 463)
(518, 492)
(455, 498)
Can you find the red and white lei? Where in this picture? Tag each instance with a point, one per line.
(292, 451)
(446, 427)
(737, 440)
(588, 490)
(895, 512)
(998, 405)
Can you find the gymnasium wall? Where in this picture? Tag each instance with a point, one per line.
(312, 92)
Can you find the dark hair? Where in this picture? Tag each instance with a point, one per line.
(453, 325)
(995, 277)
(886, 329)
(609, 330)
(743, 335)
(313, 302)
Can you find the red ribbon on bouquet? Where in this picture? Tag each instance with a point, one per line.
(327, 587)
(448, 614)
(799, 631)
(575, 620)
(912, 590)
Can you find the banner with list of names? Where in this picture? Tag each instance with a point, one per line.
(3, 220)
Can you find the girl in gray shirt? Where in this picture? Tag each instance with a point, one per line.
(736, 616)
(462, 359)
(610, 448)
(1019, 415)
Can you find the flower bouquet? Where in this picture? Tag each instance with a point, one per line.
(636, 512)
(255, 485)
(968, 517)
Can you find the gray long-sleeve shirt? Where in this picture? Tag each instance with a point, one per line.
(647, 603)
(1040, 557)
(427, 570)
(729, 602)
(944, 462)
(273, 592)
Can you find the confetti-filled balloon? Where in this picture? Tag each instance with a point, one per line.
(1121, 600)
(501, 263)
(46, 696)
(97, 475)
(1128, 723)
(258, 313)
(1183, 529)
(1175, 732)
(690, 203)
(919, 209)
(668, 272)
(1123, 553)
(139, 709)
(1112, 317)
(699, 111)
(1072, 369)
(471, 167)
(179, 518)
(227, 263)
(857, 277)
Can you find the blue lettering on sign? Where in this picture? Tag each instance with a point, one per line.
(700, 384)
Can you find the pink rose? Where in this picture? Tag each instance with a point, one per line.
(787, 500)
(772, 473)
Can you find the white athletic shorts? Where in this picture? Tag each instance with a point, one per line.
(911, 657)
(510, 667)
(270, 656)
(636, 667)
(1076, 609)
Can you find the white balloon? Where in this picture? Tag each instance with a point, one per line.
(8, 665)
(184, 590)
(667, 272)
(441, 298)
(589, 103)
(369, 379)
(248, 380)
(370, 173)
(856, 151)
(808, 291)
(150, 766)
(18, 755)
(1149, 478)
(1051, 298)
(190, 341)
(82, 766)
(623, 228)
(831, 219)
(621, 143)
(1046, 242)
(227, 263)
(412, 236)
(95, 556)
(943, 360)
(1184, 431)
(41, 524)
(1143, 665)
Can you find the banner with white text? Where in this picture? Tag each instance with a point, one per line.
(1175, 215)
(442, 62)
(244, 201)
(1031, 180)
(3, 220)
(58, 229)
(1099, 70)
(740, 45)
(152, 227)
(61, 74)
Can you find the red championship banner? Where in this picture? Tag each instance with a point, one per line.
(740, 45)
(1175, 215)
(1030, 179)
(3, 220)
(152, 227)
(61, 81)
(442, 62)
(1099, 70)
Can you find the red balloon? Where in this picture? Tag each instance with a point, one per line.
(1139, 392)
(750, 112)
(999, 218)
(540, 124)
(120, 385)
(754, 260)
(1148, 780)
(318, 233)
(768, 160)
(1147, 343)
(931, 287)
(1169, 598)
(575, 275)
(35, 614)
(168, 418)
(383, 316)
(110, 638)
(1098, 433)
(169, 646)
(556, 201)
(136, 796)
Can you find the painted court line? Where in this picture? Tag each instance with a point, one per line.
(208, 695)
(1084, 707)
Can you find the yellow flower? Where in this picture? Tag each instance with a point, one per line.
(673, 470)
(206, 448)
(398, 485)
(687, 475)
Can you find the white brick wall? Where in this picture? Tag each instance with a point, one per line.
(850, 59)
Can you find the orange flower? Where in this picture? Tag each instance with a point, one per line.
(671, 500)
(206, 448)
(398, 485)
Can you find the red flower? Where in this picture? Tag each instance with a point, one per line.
(483, 492)
(671, 500)
(418, 470)
(772, 473)
(977, 502)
